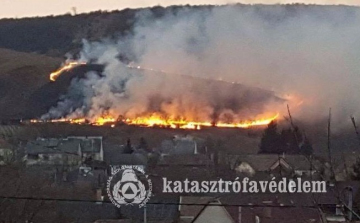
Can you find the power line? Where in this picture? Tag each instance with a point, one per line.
(161, 203)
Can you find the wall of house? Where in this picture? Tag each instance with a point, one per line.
(95, 156)
(54, 159)
(6, 155)
(214, 214)
(245, 168)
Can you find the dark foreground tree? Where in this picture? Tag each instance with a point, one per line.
(306, 148)
(271, 140)
(143, 144)
(289, 141)
(356, 168)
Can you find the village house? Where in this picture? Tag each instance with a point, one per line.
(273, 207)
(92, 177)
(344, 165)
(85, 211)
(8, 131)
(187, 213)
(70, 151)
(116, 156)
(161, 208)
(181, 167)
(182, 145)
(269, 165)
(7, 154)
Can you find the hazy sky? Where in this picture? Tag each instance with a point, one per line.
(25, 8)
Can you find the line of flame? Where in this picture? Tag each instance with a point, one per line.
(68, 66)
(150, 121)
(181, 124)
(153, 121)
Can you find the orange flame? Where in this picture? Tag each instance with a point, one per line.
(151, 120)
(104, 120)
(68, 66)
(157, 120)
(69, 120)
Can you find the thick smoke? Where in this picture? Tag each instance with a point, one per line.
(307, 52)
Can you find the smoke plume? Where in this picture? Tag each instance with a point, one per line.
(307, 55)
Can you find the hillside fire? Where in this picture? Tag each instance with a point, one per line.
(183, 124)
(187, 118)
(68, 66)
(158, 121)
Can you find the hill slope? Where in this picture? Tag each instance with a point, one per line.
(57, 35)
(20, 75)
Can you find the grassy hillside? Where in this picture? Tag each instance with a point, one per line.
(20, 75)
(24, 68)
(57, 35)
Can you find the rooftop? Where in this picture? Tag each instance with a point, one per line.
(64, 145)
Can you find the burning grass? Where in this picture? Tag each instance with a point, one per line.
(68, 66)
(159, 119)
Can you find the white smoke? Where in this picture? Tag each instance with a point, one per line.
(307, 51)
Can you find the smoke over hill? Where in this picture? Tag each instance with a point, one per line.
(310, 55)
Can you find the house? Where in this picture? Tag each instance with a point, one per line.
(53, 152)
(272, 165)
(191, 161)
(71, 151)
(214, 212)
(341, 199)
(160, 208)
(7, 153)
(248, 208)
(91, 146)
(181, 167)
(335, 205)
(115, 157)
(187, 213)
(95, 178)
(298, 165)
(344, 165)
(84, 212)
(8, 131)
(179, 145)
(271, 208)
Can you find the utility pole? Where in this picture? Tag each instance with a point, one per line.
(145, 217)
(290, 117)
(355, 127)
(329, 146)
(293, 128)
(345, 166)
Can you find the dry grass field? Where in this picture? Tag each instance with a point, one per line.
(21, 74)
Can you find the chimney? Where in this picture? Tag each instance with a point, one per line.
(99, 196)
(196, 149)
